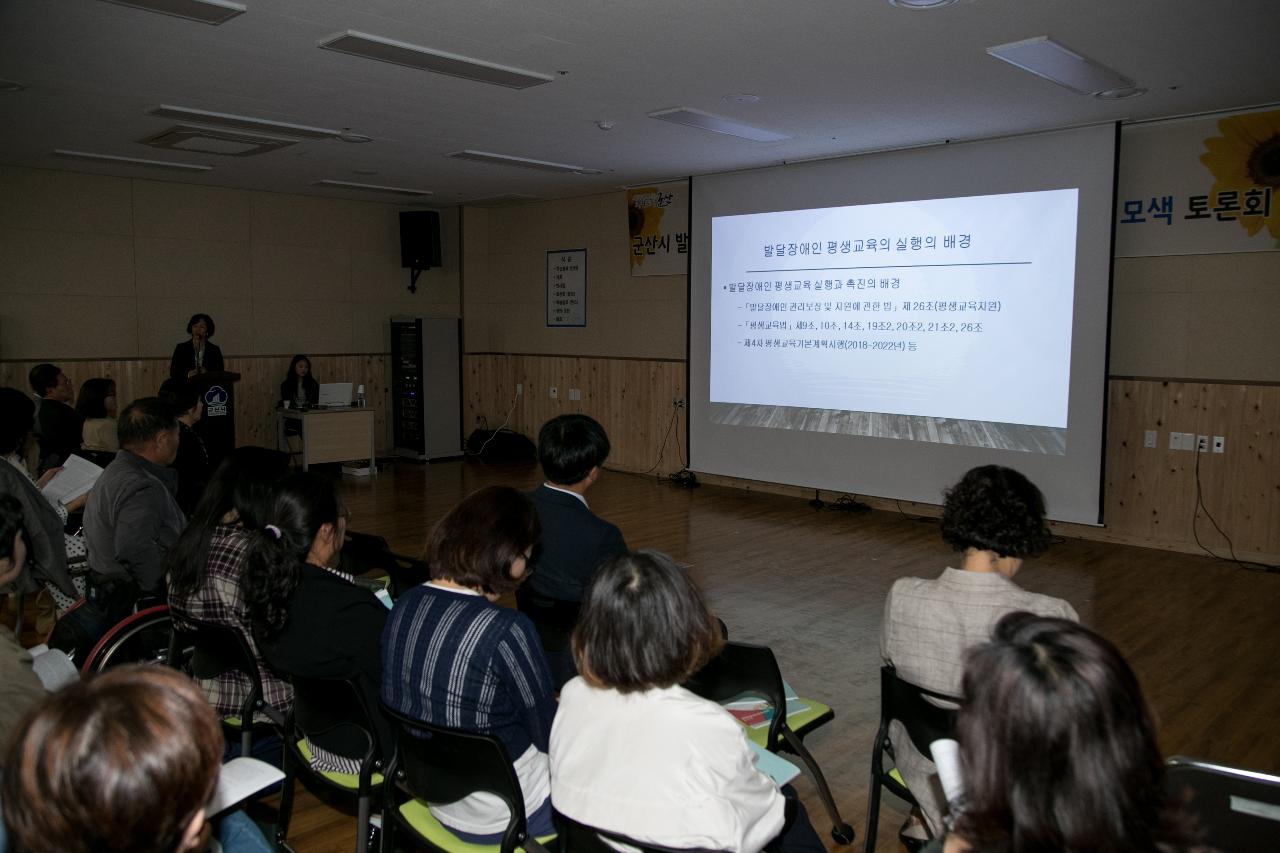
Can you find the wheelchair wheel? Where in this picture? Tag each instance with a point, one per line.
(143, 637)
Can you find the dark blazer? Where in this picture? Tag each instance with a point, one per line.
(310, 386)
(58, 428)
(192, 465)
(184, 359)
(334, 630)
(575, 541)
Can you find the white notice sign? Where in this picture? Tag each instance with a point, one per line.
(567, 287)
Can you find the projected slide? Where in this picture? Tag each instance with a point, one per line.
(945, 320)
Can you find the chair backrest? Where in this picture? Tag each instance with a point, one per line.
(744, 669)
(575, 837)
(329, 706)
(905, 702)
(1238, 809)
(364, 552)
(443, 765)
(216, 649)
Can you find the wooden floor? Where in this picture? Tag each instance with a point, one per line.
(1201, 634)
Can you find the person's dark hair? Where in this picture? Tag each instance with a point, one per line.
(10, 524)
(290, 385)
(644, 624)
(43, 377)
(478, 540)
(241, 483)
(569, 446)
(208, 321)
(17, 417)
(121, 761)
(92, 400)
(144, 419)
(180, 394)
(1057, 746)
(299, 506)
(994, 508)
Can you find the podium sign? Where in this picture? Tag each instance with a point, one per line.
(217, 428)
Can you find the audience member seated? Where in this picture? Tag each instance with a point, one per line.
(132, 518)
(192, 462)
(575, 541)
(995, 517)
(20, 688)
(127, 760)
(206, 568)
(300, 388)
(454, 658)
(58, 427)
(309, 619)
(197, 355)
(635, 753)
(1058, 749)
(96, 406)
(43, 519)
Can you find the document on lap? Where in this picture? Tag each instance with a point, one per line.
(75, 479)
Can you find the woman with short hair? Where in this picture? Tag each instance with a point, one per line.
(124, 761)
(1058, 748)
(96, 405)
(632, 751)
(452, 657)
(198, 354)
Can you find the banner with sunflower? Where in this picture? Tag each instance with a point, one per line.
(1200, 186)
(658, 221)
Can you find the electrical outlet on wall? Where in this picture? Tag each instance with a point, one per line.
(1219, 444)
(575, 394)
(553, 392)
(1202, 444)
(1150, 438)
(519, 389)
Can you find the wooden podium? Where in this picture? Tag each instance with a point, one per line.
(218, 426)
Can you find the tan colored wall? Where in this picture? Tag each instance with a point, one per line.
(100, 267)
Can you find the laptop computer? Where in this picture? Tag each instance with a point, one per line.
(334, 395)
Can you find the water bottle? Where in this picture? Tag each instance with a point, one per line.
(360, 397)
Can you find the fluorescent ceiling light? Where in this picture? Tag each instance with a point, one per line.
(370, 188)
(520, 162)
(11, 86)
(505, 198)
(426, 59)
(131, 161)
(297, 131)
(921, 4)
(717, 124)
(1046, 58)
(205, 11)
(210, 141)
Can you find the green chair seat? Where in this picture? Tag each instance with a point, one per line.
(812, 717)
(351, 781)
(418, 816)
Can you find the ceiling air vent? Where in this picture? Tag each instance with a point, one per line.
(209, 141)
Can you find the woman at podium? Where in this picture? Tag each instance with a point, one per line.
(199, 354)
(299, 388)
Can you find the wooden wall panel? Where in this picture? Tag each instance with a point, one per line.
(256, 393)
(632, 399)
(1149, 494)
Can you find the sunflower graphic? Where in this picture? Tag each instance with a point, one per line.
(1247, 157)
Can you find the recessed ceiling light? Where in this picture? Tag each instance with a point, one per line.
(130, 161)
(1121, 93)
(426, 59)
(205, 11)
(921, 4)
(11, 86)
(520, 162)
(1044, 57)
(717, 124)
(371, 188)
(283, 128)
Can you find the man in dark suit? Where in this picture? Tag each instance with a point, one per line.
(575, 542)
(57, 426)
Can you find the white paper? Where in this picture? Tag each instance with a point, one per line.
(777, 768)
(75, 479)
(239, 779)
(946, 757)
(53, 667)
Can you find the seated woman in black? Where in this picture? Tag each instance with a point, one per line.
(198, 355)
(310, 620)
(192, 461)
(299, 387)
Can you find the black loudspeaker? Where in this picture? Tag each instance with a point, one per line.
(419, 239)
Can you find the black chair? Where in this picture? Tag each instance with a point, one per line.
(924, 721)
(330, 706)
(442, 765)
(1239, 810)
(746, 669)
(141, 637)
(207, 650)
(575, 837)
(365, 552)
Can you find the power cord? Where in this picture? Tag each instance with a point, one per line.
(1247, 565)
(514, 401)
(662, 449)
